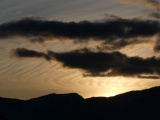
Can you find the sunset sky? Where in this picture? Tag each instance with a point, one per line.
(91, 47)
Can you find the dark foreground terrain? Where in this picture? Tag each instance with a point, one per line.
(136, 105)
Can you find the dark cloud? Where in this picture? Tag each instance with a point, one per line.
(121, 43)
(81, 31)
(157, 46)
(22, 52)
(101, 63)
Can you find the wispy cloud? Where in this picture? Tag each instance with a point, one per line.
(101, 63)
(152, 3)
(155, 4)
(155, 15)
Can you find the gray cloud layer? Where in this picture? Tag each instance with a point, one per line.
(101, 63)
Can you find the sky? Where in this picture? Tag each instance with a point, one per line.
(91, 47)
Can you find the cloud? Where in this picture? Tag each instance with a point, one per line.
(155, 15)
(114, 32)
(101, 63)
(121, 43)
(149, 77)
(157, 46)
(152, 3)
(104, 30)
(155, 4)
(22, 52)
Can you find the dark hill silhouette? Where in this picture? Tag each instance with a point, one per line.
(135, 105)
(58, 98)
(2, 118)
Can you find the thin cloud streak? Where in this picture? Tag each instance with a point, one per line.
(153, 4)
(101, 63)
(155, 15)
(147, 3)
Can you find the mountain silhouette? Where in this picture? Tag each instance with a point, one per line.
(134, 105)
(2, 118)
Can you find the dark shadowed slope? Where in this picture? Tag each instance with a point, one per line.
(135, 105)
